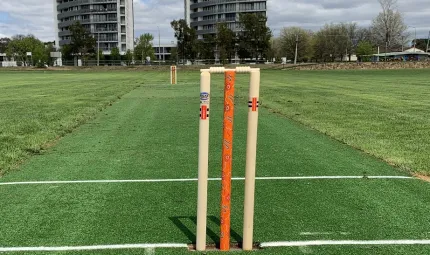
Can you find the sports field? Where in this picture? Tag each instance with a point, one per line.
(125, 175)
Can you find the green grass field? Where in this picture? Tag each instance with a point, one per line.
(384, 113)
(39, 107)
(149, 131)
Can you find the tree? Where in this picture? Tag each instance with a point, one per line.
(389, 26)
(206, 48)
(243, 50)
(21, 44)
(292, 35)
(187, 39)
(40, 56)
(128, 57)
(226, 42)
(82, 41)
(330, 43)
(351, 30)
(144, 48)
(3, 44)
(420, 44)
(66, 52)
(254, 39)
(364, 50)
(363, 34)
(335, 41)
(49, 47)
(274, 50)
(101, 55)
(174, 55)
(115, 55)
(321, 46)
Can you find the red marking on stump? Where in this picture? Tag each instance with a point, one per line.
(254, 104)
(204, 113)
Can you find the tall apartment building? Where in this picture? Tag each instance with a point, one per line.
(203, 15)
(110, 21)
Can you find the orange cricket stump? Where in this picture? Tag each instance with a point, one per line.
(227, 156)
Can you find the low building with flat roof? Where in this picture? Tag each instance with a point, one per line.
(412, 54)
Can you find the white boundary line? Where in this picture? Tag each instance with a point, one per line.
(343, 242)
(95, 247)
(184, 246)
(210, 179)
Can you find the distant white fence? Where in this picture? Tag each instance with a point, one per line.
(8, 64)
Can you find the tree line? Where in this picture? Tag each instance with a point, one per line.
(387, 33)
(333, 42)
(82, 45)
(19, 45)
(252, 41)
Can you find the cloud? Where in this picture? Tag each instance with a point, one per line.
(24, 16)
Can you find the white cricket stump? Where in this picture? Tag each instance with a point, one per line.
(205, 81)
(173, 75)
(251, 157)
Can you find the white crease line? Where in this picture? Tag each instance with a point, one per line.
(95, 247)
(210, 179)
(178, 245)
(323, 233)
(333, 177)
(342, 242)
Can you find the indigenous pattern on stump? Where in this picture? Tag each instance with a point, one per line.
(227, 155)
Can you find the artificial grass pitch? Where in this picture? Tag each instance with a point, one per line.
(152, 133)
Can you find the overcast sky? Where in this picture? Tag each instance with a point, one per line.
(36, 16)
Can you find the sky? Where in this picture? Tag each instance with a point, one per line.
(36, 16)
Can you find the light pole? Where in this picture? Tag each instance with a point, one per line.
(98, 48)
(297, 44)
(159, 46)
(386, 49)
(273, 46)
(428, 42)
(403, 42)
(415, 41)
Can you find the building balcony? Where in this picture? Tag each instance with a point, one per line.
(206, 31)
(104, 30)
(64, 42)
(253, 10)
(212, 21)
(202, 13)
(203, 23)
(83, 2)
(108, 40)
(220, 11)
(71, 4)
(104, 21)
(64, 33)
(204, 4)
(71, 22)
(85, 11)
